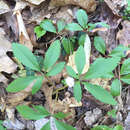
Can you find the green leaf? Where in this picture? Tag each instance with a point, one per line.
(60, 25)
(82, 39)
(116, 87)
(68, 46)
(41, 110)
(21, 83)
(82, 18)
(1, 126)
(29, 113)
(119, 51)
(99, 44)
(118, 127)
(56, 69)
(37, 85)
(60, 115)
(77, 91)
(39, 31)
(100, 93)
(101, 67)
(112, 113)
(125, 69)
(101, 127)
(80, 59)
(126, 79)
(46, 126)
(62, 126)
(52, 54)
(108, 75)
(48, 26)
(71, 72)
(25, 56)
(73, 27)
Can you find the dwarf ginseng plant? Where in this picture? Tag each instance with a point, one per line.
(100, 68)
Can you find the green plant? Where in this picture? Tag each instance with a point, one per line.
(1, 126)
(68, 43)
(39, 112)
(127, 11)
(100, 68)
(104, 127)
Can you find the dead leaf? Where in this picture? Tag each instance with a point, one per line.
(101, 82)
(4, 8)
(3, 78)
(6, 64)
(64, 13)
(23, 35)
(124, 35)
(88, 5)
(35, 2)
(116, 5)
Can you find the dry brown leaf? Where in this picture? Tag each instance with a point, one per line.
(124, 35)
(6, 64)
(101, 82)
(35, 2)
(64, 13)
(88, 5)
(23, 35)
(4, 8)
(3, 78)
(116, 5)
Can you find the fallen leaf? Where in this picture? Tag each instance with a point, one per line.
(124, 35)
(23, 35)
(35, 2)
(6, 64)
(4, 8)
(89, 5)
(115, 5)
